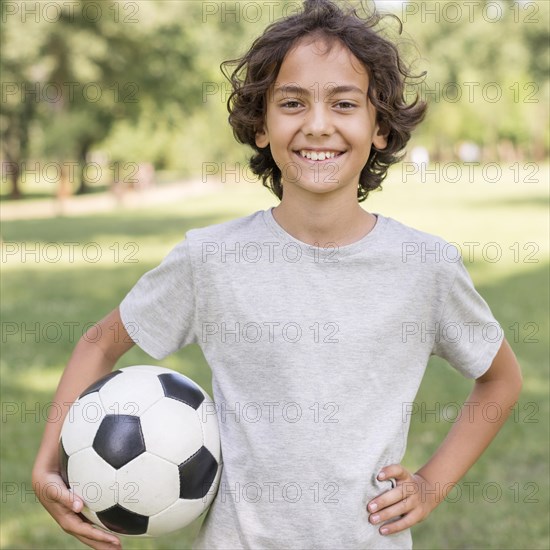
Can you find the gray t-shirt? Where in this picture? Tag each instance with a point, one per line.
(317, 353)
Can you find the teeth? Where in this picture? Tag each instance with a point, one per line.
(318, 155)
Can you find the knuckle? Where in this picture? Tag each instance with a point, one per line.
(410, 520)
(405, 525)
(65, 503)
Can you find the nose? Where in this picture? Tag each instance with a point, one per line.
(318, 120)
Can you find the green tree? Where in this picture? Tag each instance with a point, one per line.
(487, 65)
(90, 72)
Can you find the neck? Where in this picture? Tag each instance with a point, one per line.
(323, 223)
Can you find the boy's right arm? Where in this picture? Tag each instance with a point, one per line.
(94, 356)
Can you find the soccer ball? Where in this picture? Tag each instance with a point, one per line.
(141, 447)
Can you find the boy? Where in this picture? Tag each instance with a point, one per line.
(302, 312)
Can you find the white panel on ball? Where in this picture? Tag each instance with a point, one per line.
(211, 433)
(182, 512)
(153, 481)
(160, 424)
(118, 397)
(92, 479)
(82, 422)
(148, 368)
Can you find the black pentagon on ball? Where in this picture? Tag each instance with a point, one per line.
(119, 439)
(122, 521)
(64, 464)
(178, 387)
(197, 474)
(98, 384)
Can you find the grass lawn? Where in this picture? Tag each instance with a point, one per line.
(49, 299)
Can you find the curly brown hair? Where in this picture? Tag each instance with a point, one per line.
(256, 71)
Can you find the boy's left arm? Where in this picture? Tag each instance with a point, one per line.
(416, 495)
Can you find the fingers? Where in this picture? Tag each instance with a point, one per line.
(386, 500)
(88, 534)
(55, 492)
(402, 492)
(98, 545)
(402, 483)
(82, 529)
(399, 513)
(65, 508)
(73, 524)
(404, 522)
(393, 470)
(396, 506)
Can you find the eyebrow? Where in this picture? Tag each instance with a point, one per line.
(292, 89)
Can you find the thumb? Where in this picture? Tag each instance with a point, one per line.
(73, 502)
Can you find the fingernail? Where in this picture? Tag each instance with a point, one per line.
(384, 530)
(375, 519)
(76, 505)
(381, 475)
(373, 506)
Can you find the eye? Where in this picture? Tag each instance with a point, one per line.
(345, 105)
(291, 104)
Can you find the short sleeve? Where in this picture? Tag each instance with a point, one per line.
(467, 335)
(159, 311)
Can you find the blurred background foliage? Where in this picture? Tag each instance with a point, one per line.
(119, 82)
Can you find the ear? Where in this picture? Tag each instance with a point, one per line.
(262, 139)
(380, 138)
(381, 132)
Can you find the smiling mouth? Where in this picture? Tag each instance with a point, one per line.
(319, 156)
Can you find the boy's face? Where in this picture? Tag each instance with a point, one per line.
(319, 123)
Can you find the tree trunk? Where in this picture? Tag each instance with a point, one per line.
(15, 192)
(83, 186)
